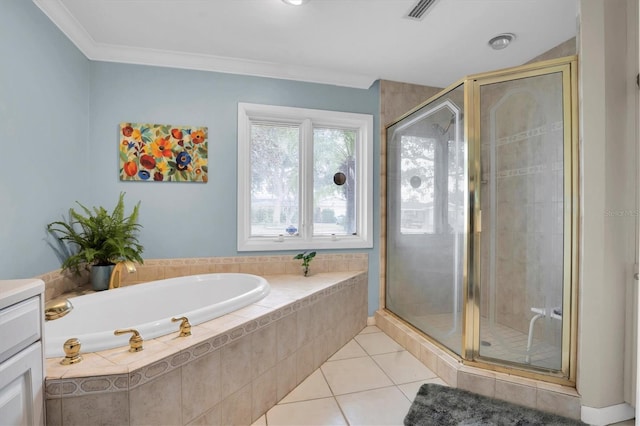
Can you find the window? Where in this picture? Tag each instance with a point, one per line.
(304, 178)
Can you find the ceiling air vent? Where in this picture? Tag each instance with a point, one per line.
(420, 9)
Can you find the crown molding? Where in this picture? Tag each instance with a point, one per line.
(58, 13)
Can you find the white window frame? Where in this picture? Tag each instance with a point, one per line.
(307, 119)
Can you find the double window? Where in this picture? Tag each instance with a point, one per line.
(304, 178)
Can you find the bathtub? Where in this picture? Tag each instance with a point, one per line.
(149, 308)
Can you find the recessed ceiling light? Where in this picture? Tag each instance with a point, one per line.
(501, 41)
(295, 2)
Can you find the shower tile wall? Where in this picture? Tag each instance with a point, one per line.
(526, 131)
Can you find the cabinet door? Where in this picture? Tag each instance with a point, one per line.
(21, 388)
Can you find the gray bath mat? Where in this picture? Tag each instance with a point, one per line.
(441, 406)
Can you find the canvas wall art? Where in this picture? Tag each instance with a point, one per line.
(163, 153)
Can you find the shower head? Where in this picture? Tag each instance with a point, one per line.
(444, 130)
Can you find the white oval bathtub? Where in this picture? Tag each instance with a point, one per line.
(149, 308)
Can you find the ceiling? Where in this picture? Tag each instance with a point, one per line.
(340, 42)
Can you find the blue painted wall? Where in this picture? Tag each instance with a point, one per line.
(192, 219)
(60, 116)
(44, 124)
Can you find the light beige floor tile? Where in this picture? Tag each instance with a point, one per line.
(313, 387)
(402, 367)
(262, 421)
(370, 329)
(411, 389)
(377, 343)
(354, 375)
(386, 406)
(319, 412)
(351, 350)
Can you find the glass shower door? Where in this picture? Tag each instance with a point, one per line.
(522, 253)
(481, 220)
(426, 218)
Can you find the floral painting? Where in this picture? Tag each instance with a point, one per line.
(163, 153)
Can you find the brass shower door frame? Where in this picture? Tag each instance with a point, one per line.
(473, 228)
(471, 334)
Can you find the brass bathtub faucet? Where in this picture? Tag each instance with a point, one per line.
(185, 326)
(116, 274)
(135, 342)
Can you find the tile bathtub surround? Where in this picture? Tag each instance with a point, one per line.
(553, 398)
(240, 364)
(57, 282)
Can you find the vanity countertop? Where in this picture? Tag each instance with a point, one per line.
(13, 291)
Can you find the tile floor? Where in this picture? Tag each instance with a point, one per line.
(370, 381)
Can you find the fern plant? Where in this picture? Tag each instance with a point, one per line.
(97, 237)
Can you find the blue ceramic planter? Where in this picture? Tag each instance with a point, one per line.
(100, 276)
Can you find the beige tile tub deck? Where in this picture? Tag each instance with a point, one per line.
(243, 362)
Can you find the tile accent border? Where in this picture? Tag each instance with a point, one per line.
(556, 126)
(86, 385)
(549, 397)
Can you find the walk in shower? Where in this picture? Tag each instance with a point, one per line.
(481, 219)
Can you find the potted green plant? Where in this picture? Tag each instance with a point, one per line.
(306, 260)
(97, 240)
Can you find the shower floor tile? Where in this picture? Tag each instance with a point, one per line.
(504, 343)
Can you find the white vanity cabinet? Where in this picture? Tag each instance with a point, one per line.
(21, 352)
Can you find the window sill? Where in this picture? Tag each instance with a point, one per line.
(293, 243)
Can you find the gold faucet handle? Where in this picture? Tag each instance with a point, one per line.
(185, 326)
(72, 352)
(135, 342)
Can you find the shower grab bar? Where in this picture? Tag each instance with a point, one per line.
(539, 313)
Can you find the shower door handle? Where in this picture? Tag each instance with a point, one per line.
(479, 221)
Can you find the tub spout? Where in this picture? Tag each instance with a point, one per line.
(57, 308)
(116, 274)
